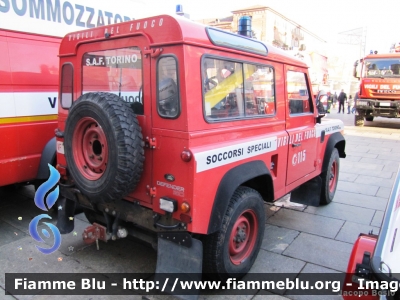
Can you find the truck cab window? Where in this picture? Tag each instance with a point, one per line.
(381, 67)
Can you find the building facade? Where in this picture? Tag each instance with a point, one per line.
(272, 27)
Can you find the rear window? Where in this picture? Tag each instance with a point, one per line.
(117, 71)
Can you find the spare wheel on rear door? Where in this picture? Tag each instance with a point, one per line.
(103, 146)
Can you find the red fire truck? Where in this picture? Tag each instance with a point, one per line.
(177, 134)
(379, 94)
(29, 78)
(28, 97)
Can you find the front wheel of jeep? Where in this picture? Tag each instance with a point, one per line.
(232, 250)
(330, 178)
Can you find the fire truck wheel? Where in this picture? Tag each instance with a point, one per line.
(369, 118)
(232, 250)
(103, 146)
(359, 120)
(330, 178)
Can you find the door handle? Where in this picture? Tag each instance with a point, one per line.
(296, 145)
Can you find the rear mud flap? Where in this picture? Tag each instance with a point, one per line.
(66, 215)
(309, 193)
(182, 263)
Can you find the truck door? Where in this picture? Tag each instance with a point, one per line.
(122, 67)
(300, 125)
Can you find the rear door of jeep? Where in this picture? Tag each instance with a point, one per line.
(122, 67)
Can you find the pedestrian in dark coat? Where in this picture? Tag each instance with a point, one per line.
(341, 99)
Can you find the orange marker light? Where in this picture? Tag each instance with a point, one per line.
(185, 207)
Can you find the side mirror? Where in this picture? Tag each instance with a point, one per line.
(322, 106)
(356, 70)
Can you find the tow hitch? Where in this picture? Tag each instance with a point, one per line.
(94, 233)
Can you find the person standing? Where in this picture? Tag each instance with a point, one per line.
(330, 100)
(342, 98)
(349, 104)
(334, 97)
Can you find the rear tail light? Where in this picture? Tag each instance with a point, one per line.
(186, 155)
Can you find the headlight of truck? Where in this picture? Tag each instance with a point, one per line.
(362, 102)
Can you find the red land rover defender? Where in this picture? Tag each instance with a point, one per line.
(177, 133)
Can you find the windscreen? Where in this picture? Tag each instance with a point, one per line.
(384, 67)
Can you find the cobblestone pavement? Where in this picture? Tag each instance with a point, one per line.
(298, 239)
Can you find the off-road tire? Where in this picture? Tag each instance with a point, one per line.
(103, 147)
(330, 178)
(359, 120)
(246, 207)
(369, 118)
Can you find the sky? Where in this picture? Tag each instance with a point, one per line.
(322, 17)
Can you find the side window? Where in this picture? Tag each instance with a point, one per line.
(259, 90)
(234, 90)
(298, 93)
(67, 79)
(223, 92)
(168, 102)
(116, 71)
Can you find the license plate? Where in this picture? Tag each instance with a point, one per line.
(362, 103)
(384, 104)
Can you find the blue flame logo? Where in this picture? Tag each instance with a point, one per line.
(50, 200)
